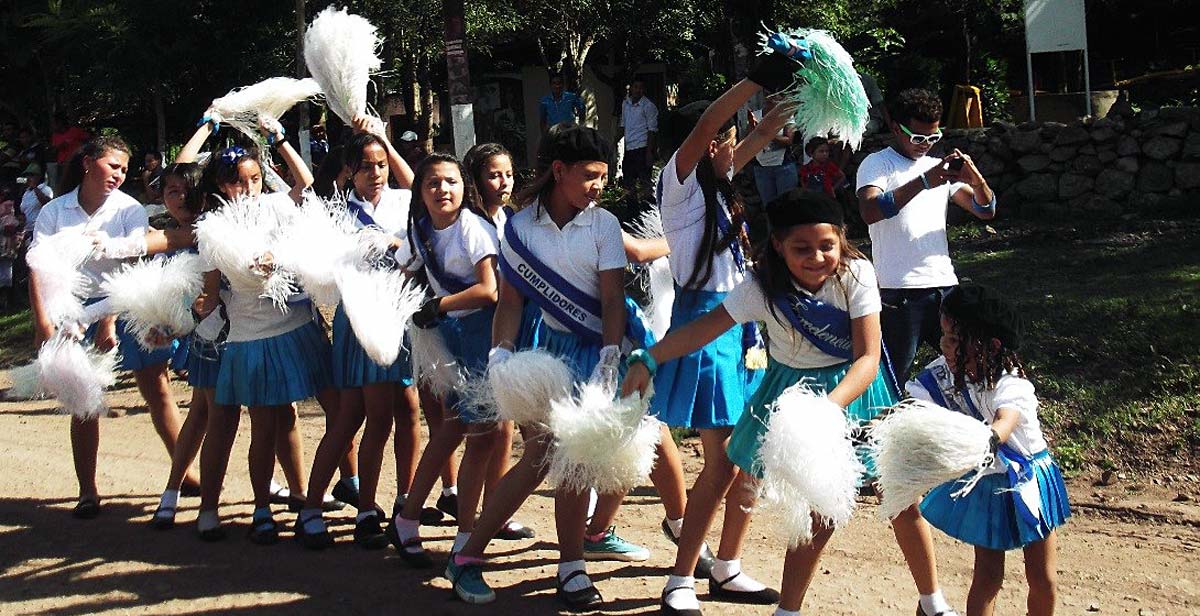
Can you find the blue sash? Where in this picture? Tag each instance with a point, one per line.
(450, 283)
(1018, 467)
(566, 303)
(724, 225)
(360, 213)
(826, 326)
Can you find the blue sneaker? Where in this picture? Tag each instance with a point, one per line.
(468, 584)
(612, 547)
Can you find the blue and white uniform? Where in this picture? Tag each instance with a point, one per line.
(449, 257)
(271, 357)
(352, 367)
(531, 315)
(119, 216)
(811, 341)
(1022, 497)
(709, 387)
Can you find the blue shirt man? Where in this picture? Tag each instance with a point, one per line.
(559, 106)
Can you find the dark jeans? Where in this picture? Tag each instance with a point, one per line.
(910, 317)
(635, 168)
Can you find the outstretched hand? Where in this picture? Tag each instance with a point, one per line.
(637, 380)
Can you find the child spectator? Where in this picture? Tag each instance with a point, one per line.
(820, 174)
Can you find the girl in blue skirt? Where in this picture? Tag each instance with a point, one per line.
(367, 390)
(1020, 500)
(707, 388)
(454, 245)
(808, 279)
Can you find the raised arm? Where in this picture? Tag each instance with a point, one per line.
(763, 133)
(696, 143)
(396, 163)
(191, 149)
(875, 204)
(976, 197)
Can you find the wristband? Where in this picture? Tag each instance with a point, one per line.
(643, 357)
(925, 182)
(985, 208)
(887, 204)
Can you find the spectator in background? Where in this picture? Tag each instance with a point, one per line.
(820, 174)
(410, 149)
(11, 231)
(318, 144)
(775, 173)
(559, 105)
(66, 139)
(30, 149)
(639, 125)
(152, 177)
(37, 194)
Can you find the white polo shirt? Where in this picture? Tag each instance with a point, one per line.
(31, 207)
(119, 216)
(638, 119)
(390, 214)
(909, 249)
(854, 291)
(683, 215)
(588, 244)
(458, 248)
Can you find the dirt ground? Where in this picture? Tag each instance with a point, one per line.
(1129, 549)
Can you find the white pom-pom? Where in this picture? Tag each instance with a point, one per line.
(156, 294)
(234, 237)
(26, 383)
(432, 363)
(341, 52)
(242, 107)
(76, 376)
(524, 385)
(601, 443)
(312, 243)
(379, 304)
(809, 463)
(919, 446)
(56, 260)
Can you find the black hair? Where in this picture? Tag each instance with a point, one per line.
(326, 175)
(417, 210)
(774, 277)
(191, 175)
(975, 346)
(916, 104)
(711, 186)
(478, 156)
(353, 154)
(569, 144)
(96, 147)
(156, 154)
(813, 144)
(222, 169)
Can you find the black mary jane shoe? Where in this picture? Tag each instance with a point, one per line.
(416, 560)
(706, 561)
(369, 535)
(514, 531)
(578, 600)
(312, 541)
(717, 590)
(163, 519)
(264, 532)
(667, 610)
(87, 508)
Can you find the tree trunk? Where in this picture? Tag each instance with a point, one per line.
(160, 122)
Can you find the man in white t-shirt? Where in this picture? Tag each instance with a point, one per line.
(903, 196)
(639, 125)
(37, 194)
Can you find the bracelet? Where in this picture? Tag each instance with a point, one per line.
(925, 182)
(276, 140)
(887, 204)
(984, 208)
(643, 357)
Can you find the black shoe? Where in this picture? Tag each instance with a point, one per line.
(264, 531)
(416, 560)
(431, 517)
(513, 531)
(667, 610)
(369, 535)
(578, 600)
(921, 612)
(717, 590)
(212, 535)
(704, 565)
(163, 522)
(312, 541)
(87, 508)
(448, 504)
(190, 490)
(346, 493)
(295, 504)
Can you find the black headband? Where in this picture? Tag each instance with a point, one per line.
(574, 144)
(804, 207)
(980, 308)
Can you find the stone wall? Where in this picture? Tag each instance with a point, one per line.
(1119, 165)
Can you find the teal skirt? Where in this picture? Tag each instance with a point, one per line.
(752, 427)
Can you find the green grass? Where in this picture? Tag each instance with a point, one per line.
(1113, 343)
(16, 338)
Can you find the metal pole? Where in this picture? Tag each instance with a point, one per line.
(458, 78)
(1087, 82)
(1029, 69)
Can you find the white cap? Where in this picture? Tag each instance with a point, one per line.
(408, 135)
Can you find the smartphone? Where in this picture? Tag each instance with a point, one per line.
(955, 164)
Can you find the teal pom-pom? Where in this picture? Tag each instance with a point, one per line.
(828, 89)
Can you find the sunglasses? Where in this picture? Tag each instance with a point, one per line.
(919, 139)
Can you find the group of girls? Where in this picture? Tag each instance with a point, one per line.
(500, 268)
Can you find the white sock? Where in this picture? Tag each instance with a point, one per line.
(685, 597)
(364, 514)
(279, 490)
(782, 612)
(934, 603)
(676, 527)
(312, 521)
(169, 500)
(460, 540)
(408, 530)
(723, 570)
(592, 497)
(208, 520)
(578, 582)
(450, 491)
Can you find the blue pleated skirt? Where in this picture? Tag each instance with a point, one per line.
(747, 435)
(131, 356)
(987, 516)
(353, 368)
(469, 339)
(580, 355)
(183, 350)
(531, 323)
(710, 387)
(203, 363)
(275, 371)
